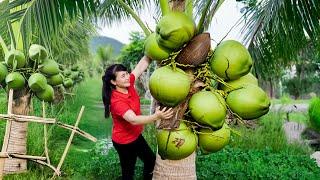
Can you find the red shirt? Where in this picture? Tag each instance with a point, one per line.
(124, 132)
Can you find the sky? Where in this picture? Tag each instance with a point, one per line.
(225, 18)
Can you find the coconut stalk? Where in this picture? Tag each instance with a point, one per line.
(135, 17)
(164, 5)
(206, 13)
(189, 8)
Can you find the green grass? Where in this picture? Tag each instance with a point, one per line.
(260, 153)
(268, 134)
(88, 94)
(288, 100)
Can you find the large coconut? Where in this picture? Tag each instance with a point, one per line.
(3, 72)
(208, 108)
(37, 82)
(49, 67)
(37, 53)
(15, 55)
(168, 86)
(15, 81)
(242, 81)
(249, 102)
(46, 95)
(153, 50)
(175, 29)
(231, 60)
(196, 50)
(176, 144)
(55, 79)
(213, 141)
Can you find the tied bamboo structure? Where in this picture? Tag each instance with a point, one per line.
(7, 156)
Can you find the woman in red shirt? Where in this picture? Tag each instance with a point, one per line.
(121, 99)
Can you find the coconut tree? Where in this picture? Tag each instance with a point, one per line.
(277, 31)
(26, 22)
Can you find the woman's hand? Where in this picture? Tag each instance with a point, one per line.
(164, 113)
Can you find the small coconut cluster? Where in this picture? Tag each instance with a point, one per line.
(36, 71)
(230, 64)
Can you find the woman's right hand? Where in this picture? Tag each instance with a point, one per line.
(165, 113)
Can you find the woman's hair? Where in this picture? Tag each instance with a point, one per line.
(110, 74)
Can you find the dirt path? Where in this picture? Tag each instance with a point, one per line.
(293, 131)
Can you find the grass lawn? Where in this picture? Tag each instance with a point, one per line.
(259, 153)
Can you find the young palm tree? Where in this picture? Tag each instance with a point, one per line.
(33, 20)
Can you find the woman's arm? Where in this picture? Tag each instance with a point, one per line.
(132, 118)
(141, 66)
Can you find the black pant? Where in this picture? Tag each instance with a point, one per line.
(128, 154)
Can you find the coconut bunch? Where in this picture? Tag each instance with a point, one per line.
(73, 75)
(36, 71)
(230, 88)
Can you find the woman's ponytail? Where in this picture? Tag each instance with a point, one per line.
(107, 87)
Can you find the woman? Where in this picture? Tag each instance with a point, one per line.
(122, 100)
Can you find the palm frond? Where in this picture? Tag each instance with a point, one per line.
(205, 11)
(46, 16)
(111, 11)
(276, 31)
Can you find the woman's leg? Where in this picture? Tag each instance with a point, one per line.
(128, 158)
(147, 156)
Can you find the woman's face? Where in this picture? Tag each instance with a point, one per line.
(122, 79)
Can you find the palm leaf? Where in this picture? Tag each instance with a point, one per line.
(275, 32)
(111, 11)
(45, 17)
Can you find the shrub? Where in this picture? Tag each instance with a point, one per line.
(314, 113)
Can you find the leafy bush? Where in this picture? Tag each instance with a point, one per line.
(314, 113)
(235, 163)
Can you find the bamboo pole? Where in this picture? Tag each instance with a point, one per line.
(45, 131)
(49, 165)
(6, 137)
(78, 131)
(20, 156)
(69, 142)
(21, 118)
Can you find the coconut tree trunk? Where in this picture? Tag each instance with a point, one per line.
(175, 169)
(15, 139)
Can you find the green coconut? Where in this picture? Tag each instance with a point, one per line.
(15, 55)
(153, 50)
(47, 94)
(37, 53)
(249, 102)
(212, 141)
(168, 86)
(75, 67)
(49, 67)
(74, 75)
(3, 72)
(15, 81)
(55, 80)
(208, 108)
(37, 82)
(242, 81)
(176, 144)
(67, 82)
(174, 29)
(231, 60)
(67, 72)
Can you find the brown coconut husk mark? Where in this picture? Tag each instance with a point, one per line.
(196, 51)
